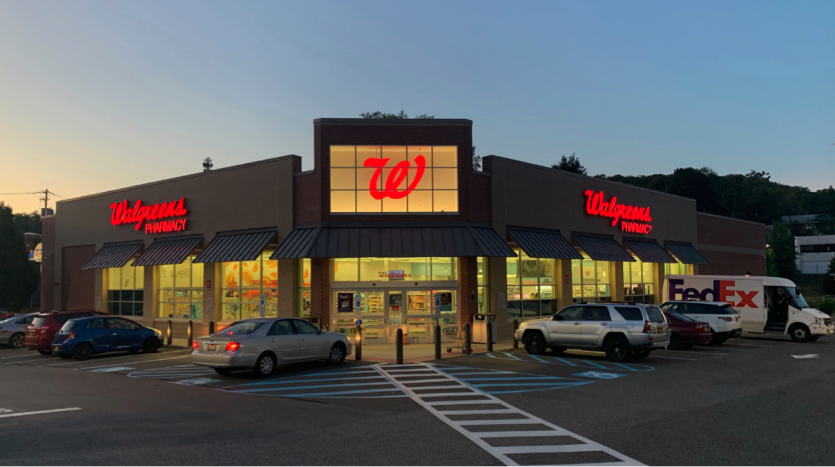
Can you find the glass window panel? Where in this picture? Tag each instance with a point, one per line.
(345, 269)
(588, 272)
(602, 271)
(366, 203)
(648, 272)
(231, 312)
(576, 271)
(271, 310)
(367, 152)
(482, 270)
(547, 271)
(126, 296)
(395, 154)
(138, 309)
(445, 179)
(251, 295)
(635, 273)
(442, 269)
(413, 268)
(530, 271)
(113, 308)
(269, 276)
(343, 179)
(514, 309)
(139, 277)
(548, 307)
(483, 300)
(166, 276)
(251, 273)
(395, 205)
(371, 269)
(365, 176)
(425, 151)
(114, 278)
(626, 274)
(166, 310)
(126, 309)
(197, 276)
(231, 295)
(444, 156)
(420, 201)
(304, 303)
(529, 292)
(138, 295)
(547, 291)
(514, 293)
(530, 308)
(342, 156)
(513, 270)
(425, 180)
(197, 310)
(182, 273)
(445, 201)
(576, 291)
(231, 275)
(343, 201)
(305, 272)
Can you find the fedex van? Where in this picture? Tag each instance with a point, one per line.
(768, 305)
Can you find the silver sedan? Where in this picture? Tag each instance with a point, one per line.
(13, 329)
(262, 344)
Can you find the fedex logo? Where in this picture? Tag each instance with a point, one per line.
(722, 291)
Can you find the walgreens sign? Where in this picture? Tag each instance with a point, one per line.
(150, 216)
(633, 219)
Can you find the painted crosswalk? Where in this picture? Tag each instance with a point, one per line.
(178, 372)
(568, 362)
(506, 382)
(358, 382)
(512, 436)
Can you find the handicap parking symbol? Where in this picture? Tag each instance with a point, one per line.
(600, 375)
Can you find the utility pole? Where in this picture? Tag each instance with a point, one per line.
(45, 200)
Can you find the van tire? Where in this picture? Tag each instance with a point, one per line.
(799, 333)
(535, 343)
(676, 342)
(618, 350)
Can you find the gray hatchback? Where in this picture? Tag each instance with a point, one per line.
(13, 329)
(262, 344)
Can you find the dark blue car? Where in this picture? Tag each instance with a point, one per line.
(84, 337)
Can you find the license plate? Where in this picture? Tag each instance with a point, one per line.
(659, 331)
(30, 333)
(56, 348)
(211, 347)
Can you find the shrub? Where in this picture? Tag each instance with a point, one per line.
(827, 306)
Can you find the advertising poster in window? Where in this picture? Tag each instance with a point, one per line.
(345, 303)
(446, 301)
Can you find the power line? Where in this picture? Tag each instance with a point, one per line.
(28, 193)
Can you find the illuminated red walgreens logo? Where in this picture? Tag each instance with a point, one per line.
(596, 205)
(139, 214)
(391, 189)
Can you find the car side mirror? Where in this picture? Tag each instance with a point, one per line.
(558, 318)
(319, 331)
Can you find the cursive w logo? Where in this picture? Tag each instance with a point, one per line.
(395, 178)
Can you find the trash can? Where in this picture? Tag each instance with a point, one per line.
(480, 323)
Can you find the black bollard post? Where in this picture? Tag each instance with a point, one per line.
(468, 339)
(211, 327)
(489, 335)
(358, 353)
(398, 345)
(190, 337)
(437, 342)
(515, 328)
(170, 335)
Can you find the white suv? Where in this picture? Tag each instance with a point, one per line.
(725, 322)
(622, 330)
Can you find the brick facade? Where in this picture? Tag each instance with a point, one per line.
(733, 247)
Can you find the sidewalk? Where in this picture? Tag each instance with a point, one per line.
(420, 352)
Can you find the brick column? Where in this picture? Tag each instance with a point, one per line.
(320, 291)
(210, 299)
(468, 288)
(658, 283)
(566, 297)
(497, 277)
(288, 287)
(617, 280)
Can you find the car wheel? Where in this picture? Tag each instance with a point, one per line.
(150, 345)
(265, 365)
(617, 350)
(223, 371)
(337, 353)
(16, 341)
(640, 354)
(535, 344)
(65, 356)
(45, 351)
(799, 333)
(715, 339)
(82, 352)
(676, 342)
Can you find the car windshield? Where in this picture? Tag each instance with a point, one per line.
(680, 317)
(729, 310)
(39, 321)
(796, 298)
(241, 329)
(654, 314)
(68, 326)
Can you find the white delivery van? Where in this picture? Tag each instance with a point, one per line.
(768, 305)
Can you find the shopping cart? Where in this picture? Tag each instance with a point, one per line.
(460, 344)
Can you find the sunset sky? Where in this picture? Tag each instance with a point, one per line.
(97, 95)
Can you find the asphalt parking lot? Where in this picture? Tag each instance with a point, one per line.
(747, 402)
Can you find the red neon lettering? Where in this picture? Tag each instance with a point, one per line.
(120, 213)
(596, 206)
(746, 299)
(395, 177)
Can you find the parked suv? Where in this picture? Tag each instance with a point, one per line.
(41, 333)
(623, 331)
(725, 322)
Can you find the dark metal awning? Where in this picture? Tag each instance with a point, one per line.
(542, 243)
(169, 251)
(686, 253)
(114, 255)
(244, 245)
(648, 251)
(601, 248)
(403, 240)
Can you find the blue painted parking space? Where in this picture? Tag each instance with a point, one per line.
(567, 362)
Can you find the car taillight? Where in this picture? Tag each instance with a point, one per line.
(71, 335)
(232, 346)
(647, 326)
(196, 346)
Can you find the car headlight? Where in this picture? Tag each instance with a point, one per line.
(820, 320)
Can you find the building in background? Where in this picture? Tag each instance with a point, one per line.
(814, 254)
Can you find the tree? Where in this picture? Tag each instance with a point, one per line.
(782, 257)
(402, 115)
(825, 225)
(28, 222)
(570, 164)
(18, 275)
(476, 162)
(829, 279)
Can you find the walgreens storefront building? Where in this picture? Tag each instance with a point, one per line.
(392, 227)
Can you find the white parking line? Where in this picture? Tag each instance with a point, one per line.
(697, 352)
(39, 412)
(674, 358)
(27, 354)
(749, 345)
(137, 362)
(112, 359)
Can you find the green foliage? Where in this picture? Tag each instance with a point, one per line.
(570, 164)
(831, 266)
(18, 275)
(28, 222)
(476, 161)
(782, 256)
(827, 306)
(401, 115)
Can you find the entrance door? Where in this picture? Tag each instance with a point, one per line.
(371, 311)
(421, 315)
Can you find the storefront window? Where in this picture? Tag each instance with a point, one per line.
(304, 289)
(245, 285)
(394, 179)
(483, 286)
(181, 290)
(125, 290)
(394, 269)
(531, 286)
(590, 281)
(678, 268)
(639, 282)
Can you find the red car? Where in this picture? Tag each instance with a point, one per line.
(41, 333)
(686, 332)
